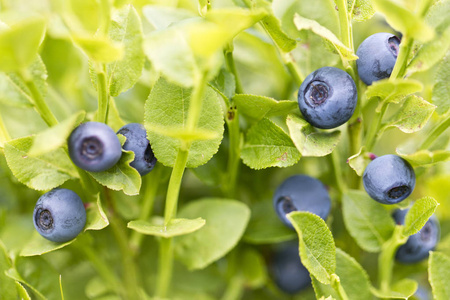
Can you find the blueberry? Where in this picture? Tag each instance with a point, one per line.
(287, 269)
(144, 159)
(94, 147)
(377, 56)
(419, 244)
(59, 215)
(389, 179)
(327, 97)
(301, 193)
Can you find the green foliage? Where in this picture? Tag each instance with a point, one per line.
(7, 286)
(258, 107)
(393, 91)
(402, 289)
(309, 141)
(317, 249)
(425, 157)
(165, 119)
(175, 227)
(438, 269)
(226, 221)
(441, 88)
(419, 214)
(267, 145)
(366, 220)
(359, 161)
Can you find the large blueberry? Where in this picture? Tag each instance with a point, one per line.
(287, 269)
(389, 179)
(301, 193)
(377, 56)
(59, 215)
(94, 147)
(327, 97)
(419, 244)
(144, 159)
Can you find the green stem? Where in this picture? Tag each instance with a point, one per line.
(375, 127)
(165, 267)
(336, 284)
(229, 59)
(402, 59)
(234, 135)
(4, 135)
(39, 102)
(152, 182)
(386, 258)
(128, 266)
(337, 171)
(437, 131)
(103, 96)
(292, 67)
(344, 23)
(235, 289)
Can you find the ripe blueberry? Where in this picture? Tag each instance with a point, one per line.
(59, 215)
(327, 97)
(301, 193)
(389, 179)
(287, 269)
(419, 244)
(377, 56)
(94, 147)
(144, 159)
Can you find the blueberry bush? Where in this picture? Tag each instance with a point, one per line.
(202, 110)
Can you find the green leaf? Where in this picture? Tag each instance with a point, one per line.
(359, 161)
(412, 116)
(430, 53)
(419, 214)
(441, 88)
(307, 24)
(393, 90)
(175, 227)
(14, 91)
(225, 224)
(425, 157)
(402, 289)
(253, 268)
(100, 49)
(23, 294)
(43, 172)
(354, 279)
(126, 28)
(95, 220)
(267, 145)
(265, 227)
(167, 108)
(281, 39)
(13, 274)
(162, 17)
(404, 20)
(311, 142)
(362, 10)
(7, 285)
(439, 275)
(55, 137)
(317, 249)
(366, 220)
(258, 107)
(121, 176)
(19, 44)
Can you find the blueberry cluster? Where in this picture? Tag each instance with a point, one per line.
(59, 215)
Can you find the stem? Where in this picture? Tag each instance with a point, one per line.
(337, 171)
(128, 265)
(386, 259)
(4, 135)
(229, 59)
(165, 267)
(103, 96)
(437, 131)
(39, 102)
(152, 182)
(234, 290)
(402, 59)
(344, 22)
(375, 127)
(234, 136)
(336, 284)
(292, 67)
